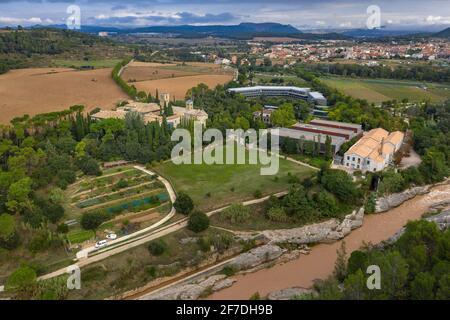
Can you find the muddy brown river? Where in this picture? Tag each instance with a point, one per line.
(319, 264)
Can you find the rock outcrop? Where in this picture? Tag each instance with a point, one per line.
(442, 219)
(289, 293)
(394, 200)
(256, 256)
(188, 291)
(327, 231)
(193, 289)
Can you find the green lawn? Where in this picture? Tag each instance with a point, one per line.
(214, 186)
(78, 236)
(379, 90)
(107, 63)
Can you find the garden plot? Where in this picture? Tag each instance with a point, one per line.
(121, 196)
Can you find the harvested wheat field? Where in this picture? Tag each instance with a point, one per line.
(133, 74)
(143, 71)
(39, 90)
(177, 87)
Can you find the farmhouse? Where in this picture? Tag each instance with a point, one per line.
(374, 151)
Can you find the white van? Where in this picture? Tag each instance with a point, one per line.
(101, 244)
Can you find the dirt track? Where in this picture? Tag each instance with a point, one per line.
(40, 90)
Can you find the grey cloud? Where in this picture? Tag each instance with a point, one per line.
(176, 18)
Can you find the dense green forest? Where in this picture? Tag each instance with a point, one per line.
(416, 266)
(23, 48)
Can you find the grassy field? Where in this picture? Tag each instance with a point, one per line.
(214, 186)
(107, 63)
(379, 90)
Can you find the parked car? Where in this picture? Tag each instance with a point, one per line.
(101, 244)
(111, 236)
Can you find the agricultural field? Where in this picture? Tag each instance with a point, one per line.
(175, 79)
(22, 89)
(129, 198)
(379, 90)
(214, 186)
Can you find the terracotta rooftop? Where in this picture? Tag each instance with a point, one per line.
(107, 114)
(374, 141)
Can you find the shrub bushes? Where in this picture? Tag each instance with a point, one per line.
(183, 204)
(277, 214)
(157, 247)
(198, 222)
(92, 220)
(236, 213)
(9, 238)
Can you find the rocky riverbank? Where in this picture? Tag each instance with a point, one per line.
(266, 254)
(325, 232)
(394, 200)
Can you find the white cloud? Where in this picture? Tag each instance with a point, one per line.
(437, 20)
(347, 24)
(32, 20)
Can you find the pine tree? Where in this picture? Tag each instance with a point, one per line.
(340, 267)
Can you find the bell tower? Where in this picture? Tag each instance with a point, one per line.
(189, 104)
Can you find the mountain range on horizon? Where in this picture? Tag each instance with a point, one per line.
(248, 30)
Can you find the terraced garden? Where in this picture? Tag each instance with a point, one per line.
(128, 198)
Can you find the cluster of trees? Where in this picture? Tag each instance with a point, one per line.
(115, 74)
(415, 72)
(330, 195)
(430, 126)
(198, 221)
(321, 145)
(46, 41)
(348, 109)
(416, 266)
(23, 47)
(23, 285)
(46, 152)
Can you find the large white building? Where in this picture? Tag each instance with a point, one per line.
(282, 91)
(374, 151)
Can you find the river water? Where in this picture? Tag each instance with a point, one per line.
(319, 264)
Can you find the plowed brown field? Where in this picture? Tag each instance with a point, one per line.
(177, 87)
(39, 90)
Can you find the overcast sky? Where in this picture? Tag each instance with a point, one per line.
(303, 14)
